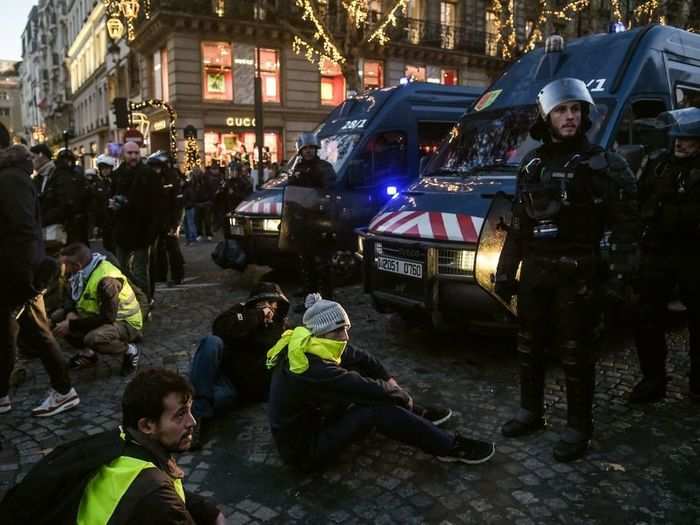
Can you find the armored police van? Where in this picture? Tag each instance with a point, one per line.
(374, 142)
(419, 251)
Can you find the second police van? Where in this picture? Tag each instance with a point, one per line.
(375, 142)
(419, 251)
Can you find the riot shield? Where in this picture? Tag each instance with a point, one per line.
(488, 252)
(307, 219)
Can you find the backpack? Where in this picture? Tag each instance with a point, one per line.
(51, 492)
(229, 254)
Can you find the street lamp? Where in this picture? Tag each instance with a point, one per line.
(115, 28)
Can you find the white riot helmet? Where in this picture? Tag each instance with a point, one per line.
(560, 91)
(307, 139)
(105, 160)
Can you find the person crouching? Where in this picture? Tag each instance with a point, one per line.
(325, 395)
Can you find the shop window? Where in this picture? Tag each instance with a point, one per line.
(416, 73)
(448, 18)
(332, 84)
(240, 146)
(372, 74)
(492, 31)
(449, 77)
(687, 97)
(161, 89)
(216, 69)
(270, 75)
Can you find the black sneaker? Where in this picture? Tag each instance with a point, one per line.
(437, 416)
(131, 360)
(648, 391)
(469, 451)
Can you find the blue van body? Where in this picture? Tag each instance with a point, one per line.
(419, 251)
(375, 142)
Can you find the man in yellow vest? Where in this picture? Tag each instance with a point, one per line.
(106, 317)
(144, 484)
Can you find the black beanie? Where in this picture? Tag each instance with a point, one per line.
(4, 136)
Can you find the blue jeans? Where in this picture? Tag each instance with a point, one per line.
(190, 225)
(213, 391)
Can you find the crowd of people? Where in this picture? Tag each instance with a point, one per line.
(581, 223)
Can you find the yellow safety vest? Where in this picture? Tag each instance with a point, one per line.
(129, 309)
(108, 485)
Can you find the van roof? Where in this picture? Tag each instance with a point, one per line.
(594, 59)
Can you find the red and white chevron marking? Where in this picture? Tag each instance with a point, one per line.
(429, 225)
(260, 207)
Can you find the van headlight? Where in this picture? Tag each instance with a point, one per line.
(456, 262)
(271, 225)
(360, 245)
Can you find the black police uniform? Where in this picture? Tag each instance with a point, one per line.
(168, 252)
(99, 189)
(669, 196)
(317, 252)
(569, 194)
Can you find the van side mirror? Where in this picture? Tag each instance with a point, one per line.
(357, 173)
(424, 160)
(633, 154)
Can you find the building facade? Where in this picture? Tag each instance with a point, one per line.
(200, 56)
(10, 98)
(46, 108)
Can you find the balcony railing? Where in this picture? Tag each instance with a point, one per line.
(432, 34)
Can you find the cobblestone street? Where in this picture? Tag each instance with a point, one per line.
(643, 468)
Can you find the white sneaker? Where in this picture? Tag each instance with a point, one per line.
(131, 360)
(5, 404)
(56, 403)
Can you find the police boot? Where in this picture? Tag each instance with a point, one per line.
(580, 382)
(529, 418)
(650, 341)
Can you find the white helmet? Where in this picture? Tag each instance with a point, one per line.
(105, 160)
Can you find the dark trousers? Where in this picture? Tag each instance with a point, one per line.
(37, 334)
(391, 421)
(213, 390)
(659, 278)
(167, 255)
(202, 217)
(317, 272)
(557, 309)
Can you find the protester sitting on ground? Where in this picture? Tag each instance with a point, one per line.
(122, 476)
(230, 365)
(325, 395)
(106, 317)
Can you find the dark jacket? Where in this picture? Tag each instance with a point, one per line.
(300, 404)
(138, 222)
(204, 190)
(315, 173)
(669, 202)
(151, 498)
(21, 246)
(247, 339)
(172, 198)
(60, 197)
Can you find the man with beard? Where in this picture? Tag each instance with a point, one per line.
(136, 201)
(669, 196)
(571, 196)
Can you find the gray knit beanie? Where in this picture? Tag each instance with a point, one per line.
(323, 316)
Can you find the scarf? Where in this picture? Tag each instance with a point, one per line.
(300, 342)
(77, 282)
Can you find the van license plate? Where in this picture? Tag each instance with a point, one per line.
(389, 264)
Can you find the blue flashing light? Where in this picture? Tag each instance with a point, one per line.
(616, 27)
(391, 190)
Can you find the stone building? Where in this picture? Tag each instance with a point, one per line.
(10, 97)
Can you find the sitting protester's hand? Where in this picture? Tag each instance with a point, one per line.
(62, 328)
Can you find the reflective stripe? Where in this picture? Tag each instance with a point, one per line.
(129, 309)
(107, 487)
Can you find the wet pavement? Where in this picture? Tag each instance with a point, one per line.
(643, 466)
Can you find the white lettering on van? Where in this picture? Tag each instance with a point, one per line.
(354, 124)
(596, 85)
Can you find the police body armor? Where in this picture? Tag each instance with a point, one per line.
(307, 219)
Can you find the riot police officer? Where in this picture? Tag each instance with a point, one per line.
(669, 197)
(316, 254)
(100, 189)
(167, 251)
(571, 196)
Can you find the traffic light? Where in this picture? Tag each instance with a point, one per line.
(120, 108)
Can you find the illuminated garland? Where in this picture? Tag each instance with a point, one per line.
(648, 11)
(313, 55)
(565, 14)
(616, 10)
(129, 11)
(357, 11)
(154, 103)
(379, 34)
(192, 157)
(320, 34)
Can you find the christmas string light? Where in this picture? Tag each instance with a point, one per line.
(320, 34)
(155, 103)
(358, 11)
(379, 34)
(192, 156)
(647, 11)
(616, 10)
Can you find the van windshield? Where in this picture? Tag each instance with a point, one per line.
(495, 139)
(337, 149)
